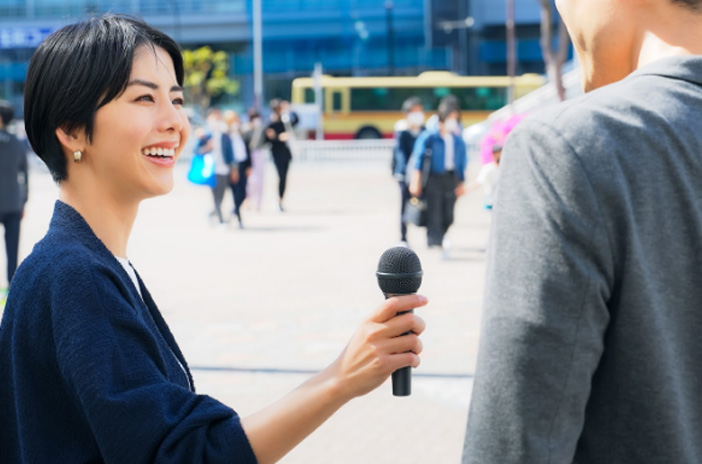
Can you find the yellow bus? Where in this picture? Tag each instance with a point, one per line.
(369, 107)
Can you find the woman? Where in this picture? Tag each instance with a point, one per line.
(256, 141)
(446, 154)
(89, 371)
(278, 134)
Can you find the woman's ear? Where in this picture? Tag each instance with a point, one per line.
(72, 141)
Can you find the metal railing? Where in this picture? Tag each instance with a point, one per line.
(345, 151)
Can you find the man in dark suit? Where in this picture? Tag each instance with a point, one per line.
(13, 186)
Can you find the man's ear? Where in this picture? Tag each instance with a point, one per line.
(72, 141)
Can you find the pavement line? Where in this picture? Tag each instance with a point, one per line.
(270, 370)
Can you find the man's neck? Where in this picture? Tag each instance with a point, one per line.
(661, 31)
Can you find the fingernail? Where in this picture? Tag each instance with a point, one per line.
(423, 299)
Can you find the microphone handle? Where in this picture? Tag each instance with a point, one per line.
(402, 378)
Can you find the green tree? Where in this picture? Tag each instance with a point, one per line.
(206, 76)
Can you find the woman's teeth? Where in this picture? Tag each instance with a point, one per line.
(162, 152)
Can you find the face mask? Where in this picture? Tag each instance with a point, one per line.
(451, 125)
(415, 118)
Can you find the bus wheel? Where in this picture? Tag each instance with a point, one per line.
(368, 132)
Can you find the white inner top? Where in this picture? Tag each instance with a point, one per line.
(449, 156)
(130, 272)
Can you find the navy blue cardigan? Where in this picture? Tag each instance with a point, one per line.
(89, 372)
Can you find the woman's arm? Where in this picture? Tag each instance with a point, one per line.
(375, 351)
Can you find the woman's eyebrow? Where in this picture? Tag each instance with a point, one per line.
(151, 85)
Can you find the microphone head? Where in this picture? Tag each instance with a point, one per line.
(399, 271)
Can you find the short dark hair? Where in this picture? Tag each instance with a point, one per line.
(695, 5)
(253, 113)
(275, 103)
(448, 105)
(411, 102)
(7, 112)
(79, 69)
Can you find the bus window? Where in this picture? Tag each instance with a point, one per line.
(481, 98)
(309, 95)
(336, 101)
(387, 99)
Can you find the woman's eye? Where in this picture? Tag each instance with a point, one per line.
(179, 101)
(145, 98)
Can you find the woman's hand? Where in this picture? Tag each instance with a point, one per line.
(460, 189)
(378, 348)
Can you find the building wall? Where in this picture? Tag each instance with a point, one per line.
(349, 37)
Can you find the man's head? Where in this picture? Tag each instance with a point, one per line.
(613, 38)
(6, 113)
(497, 153)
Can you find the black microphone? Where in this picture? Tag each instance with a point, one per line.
(400, 273)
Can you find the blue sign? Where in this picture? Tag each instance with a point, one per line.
(23, 37)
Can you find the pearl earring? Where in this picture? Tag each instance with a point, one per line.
(77, 156)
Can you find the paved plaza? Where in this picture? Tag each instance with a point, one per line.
(255, 311)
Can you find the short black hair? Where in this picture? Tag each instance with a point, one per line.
(695, 5)
(7, 112)
(448, 105)
(411, 102)
(253, 113)
(275, 103)
(79, 69)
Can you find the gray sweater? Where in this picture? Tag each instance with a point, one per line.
(591, 345)
(13, 174)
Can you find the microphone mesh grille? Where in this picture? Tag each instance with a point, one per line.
(398, 261)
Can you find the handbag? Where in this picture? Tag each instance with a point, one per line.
(416, 211)
(202, 170)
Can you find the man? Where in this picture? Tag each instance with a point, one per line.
(406, 132)
(591, 346)
(241, 163)
(220, 145)
(13, 187)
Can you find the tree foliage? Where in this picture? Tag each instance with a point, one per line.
(207, 76)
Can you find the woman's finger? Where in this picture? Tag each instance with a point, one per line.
(397, 304)
(401, 324)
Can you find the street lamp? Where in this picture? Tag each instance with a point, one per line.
(258, 54)
(461, 62)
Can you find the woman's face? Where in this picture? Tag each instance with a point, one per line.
(138, 136)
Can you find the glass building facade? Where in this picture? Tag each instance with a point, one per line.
(348, 37)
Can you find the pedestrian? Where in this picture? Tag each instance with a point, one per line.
(590, 345)
(489, 176)
(241, 164)
(89, 371)
(405, 139)
(13, 188)
(219, 145)
(279, 134)
(450, 100)
(446, 154)
(256, 141)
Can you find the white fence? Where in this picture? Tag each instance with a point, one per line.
(349, 151)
